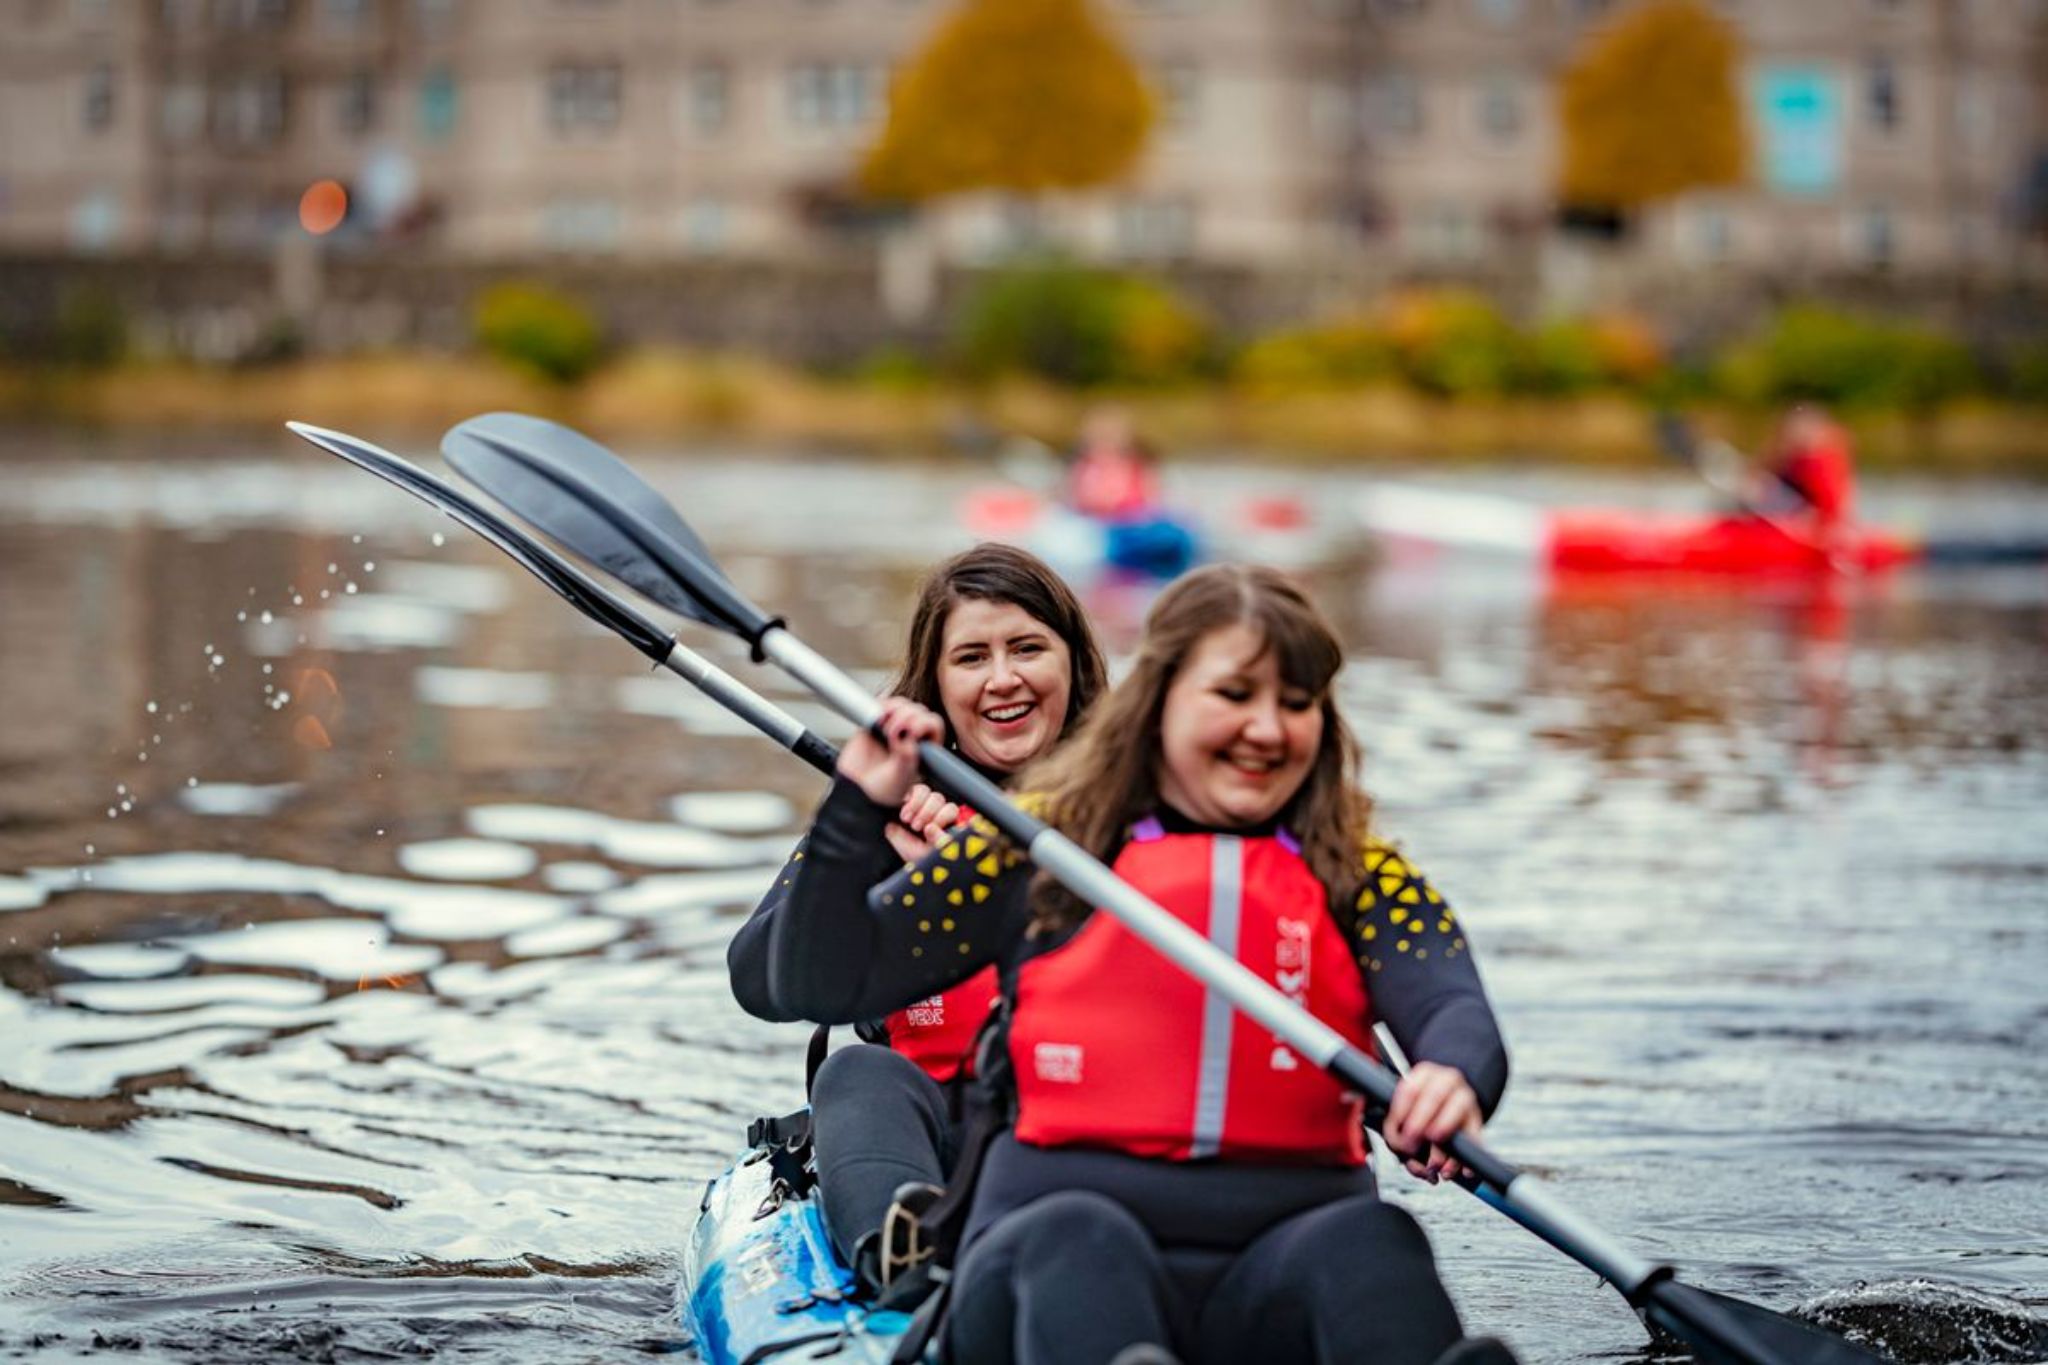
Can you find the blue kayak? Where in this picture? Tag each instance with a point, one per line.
(760, 1281)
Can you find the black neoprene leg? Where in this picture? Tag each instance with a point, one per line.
(877, 1121)
(1350, 1282)
(1069, 1279)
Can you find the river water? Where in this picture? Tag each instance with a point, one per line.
(362, 909)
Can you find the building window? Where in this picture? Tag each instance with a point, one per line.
(358, 114)
(580, 225)
(706, 225)
(249, 110)
(1403, 9)
(182, 116)
(1500, 107)
(345, 16)
(1180, 94)
(1881, 94)
(583, 98)
(255, 14)
(1706, 235)
(1874, 236)
(707, 97)
(831, 94)
(1331, 115)
(1499, 11)
(99, 97)
(434, 17)
(1449, 232)
(1398, 98)
(438, 104)
(1155, 229)
(181, 15)
(96, 220)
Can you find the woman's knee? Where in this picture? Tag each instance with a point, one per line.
(1073, 1227)
(863, 1070)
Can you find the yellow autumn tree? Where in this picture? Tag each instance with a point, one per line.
(1023, 95)
(1649, 109)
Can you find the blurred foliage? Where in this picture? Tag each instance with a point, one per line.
(896, 369)
(538, 330)
(1077, 325)
(1453, 342)
(2025, 373)
(1023, 95)
(1810, 352)
(91, 329)
(1342, 353)
(1649, 108)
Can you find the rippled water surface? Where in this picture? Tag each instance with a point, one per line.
(362, 910)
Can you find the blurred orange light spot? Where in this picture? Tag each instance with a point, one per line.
(312, 680)
(322, 207)
(311, 733)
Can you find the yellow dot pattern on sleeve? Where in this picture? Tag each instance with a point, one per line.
(963, 872)
(1395, 904)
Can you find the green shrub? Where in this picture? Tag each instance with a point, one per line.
(1331, 355)
(1810, 352)
(91, 330)
(897, 369)
(1455, 343)
(2025, 374)
(1564, 358)
(1075, 325)
(537, 329)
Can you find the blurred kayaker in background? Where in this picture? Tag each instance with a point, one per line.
(1174, 1179)
(1114, 475)
(1809, 472)
(999, 647)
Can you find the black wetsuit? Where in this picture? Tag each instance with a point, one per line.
(878, 1120)
(1073, 1253)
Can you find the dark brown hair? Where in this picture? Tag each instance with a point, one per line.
(994, 572)
(1107, 776)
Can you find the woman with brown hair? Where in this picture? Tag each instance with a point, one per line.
(1001, 652)
(1175, 1178)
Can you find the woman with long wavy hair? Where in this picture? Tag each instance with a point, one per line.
(1175, 1179)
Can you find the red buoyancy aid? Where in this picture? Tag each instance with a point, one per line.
(1115, 1047)
(938, 1032)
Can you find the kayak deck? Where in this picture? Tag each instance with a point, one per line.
(760, 1281)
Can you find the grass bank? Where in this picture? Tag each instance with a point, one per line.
(648, 397)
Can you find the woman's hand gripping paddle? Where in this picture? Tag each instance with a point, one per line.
(601, 510)
(576, 588)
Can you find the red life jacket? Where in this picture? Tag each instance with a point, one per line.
(1113, 1046)
(938, 1032)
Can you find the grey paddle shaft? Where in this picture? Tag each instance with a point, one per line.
(764, 715)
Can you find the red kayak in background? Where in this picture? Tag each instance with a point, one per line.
(1637, 540)
(1617, 540)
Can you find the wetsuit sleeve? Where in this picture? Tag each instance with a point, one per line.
(746, 957)
(1425, 987)
(840, 953)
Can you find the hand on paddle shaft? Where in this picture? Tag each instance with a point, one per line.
(1432, 1103)
(591, 501)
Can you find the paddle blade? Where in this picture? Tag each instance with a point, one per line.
(497, 452)
(591, 501)
(1728, 1331)
(543, 563)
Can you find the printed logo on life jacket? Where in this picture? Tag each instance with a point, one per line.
(1057, 1062)
(1290, 974)
(929, 1012)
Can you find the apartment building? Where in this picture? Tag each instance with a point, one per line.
(1901, 134)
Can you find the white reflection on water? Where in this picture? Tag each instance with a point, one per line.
(647, 843)
(460, 860)
(734, 812)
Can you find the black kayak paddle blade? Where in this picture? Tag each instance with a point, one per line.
(543, 563)
(1723, 1330)
(590, 501)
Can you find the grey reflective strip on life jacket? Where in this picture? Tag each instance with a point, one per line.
(1212, 1075)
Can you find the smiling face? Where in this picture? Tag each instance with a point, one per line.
(1236, 740)
(1004, 678)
